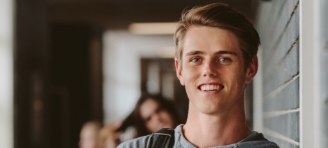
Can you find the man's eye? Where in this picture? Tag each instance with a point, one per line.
(194, 60)
(224, 60)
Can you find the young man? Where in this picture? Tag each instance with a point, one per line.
(215, 60)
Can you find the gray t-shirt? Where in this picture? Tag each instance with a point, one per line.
(181, 142)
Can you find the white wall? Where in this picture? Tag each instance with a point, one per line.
(122, 53)
(257, 99)
(6, 74)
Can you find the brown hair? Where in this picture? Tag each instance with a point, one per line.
(221, 16)
(135, 119)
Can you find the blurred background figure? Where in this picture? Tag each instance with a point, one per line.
(108, 136)
(90, 134)
(151, 113)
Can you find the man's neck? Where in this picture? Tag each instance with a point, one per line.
(205, 130)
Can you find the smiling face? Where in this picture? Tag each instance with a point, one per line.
(154, 116)
(213, 70)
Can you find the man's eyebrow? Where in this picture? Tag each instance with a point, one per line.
(193, 53)
(219, 52)
(226, 52)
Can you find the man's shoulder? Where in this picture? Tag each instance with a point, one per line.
(257, 140)
(137, 142)
(258, 144)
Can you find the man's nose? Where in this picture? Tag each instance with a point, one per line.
(209, 69)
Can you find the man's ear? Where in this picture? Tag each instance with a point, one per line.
(251, 69)
(178, 70)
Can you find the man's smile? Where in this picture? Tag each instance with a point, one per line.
(210, 87)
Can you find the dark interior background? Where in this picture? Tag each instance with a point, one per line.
(58, 61)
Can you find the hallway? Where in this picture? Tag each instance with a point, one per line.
(68, 62)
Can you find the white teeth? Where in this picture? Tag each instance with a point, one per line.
(210, 87)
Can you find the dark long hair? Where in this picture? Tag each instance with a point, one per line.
(134, 118)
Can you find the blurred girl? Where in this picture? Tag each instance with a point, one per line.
(151, 113)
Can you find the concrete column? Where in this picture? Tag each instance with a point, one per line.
(6, 74)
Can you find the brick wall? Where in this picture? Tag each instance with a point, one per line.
(322, 44)
(278, 24)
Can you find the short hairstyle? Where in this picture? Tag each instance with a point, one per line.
(220, 16)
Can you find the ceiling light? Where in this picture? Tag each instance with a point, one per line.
(158, 28)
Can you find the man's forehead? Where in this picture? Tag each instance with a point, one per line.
(209, 37)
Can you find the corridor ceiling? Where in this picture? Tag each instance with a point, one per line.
(120, 13)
